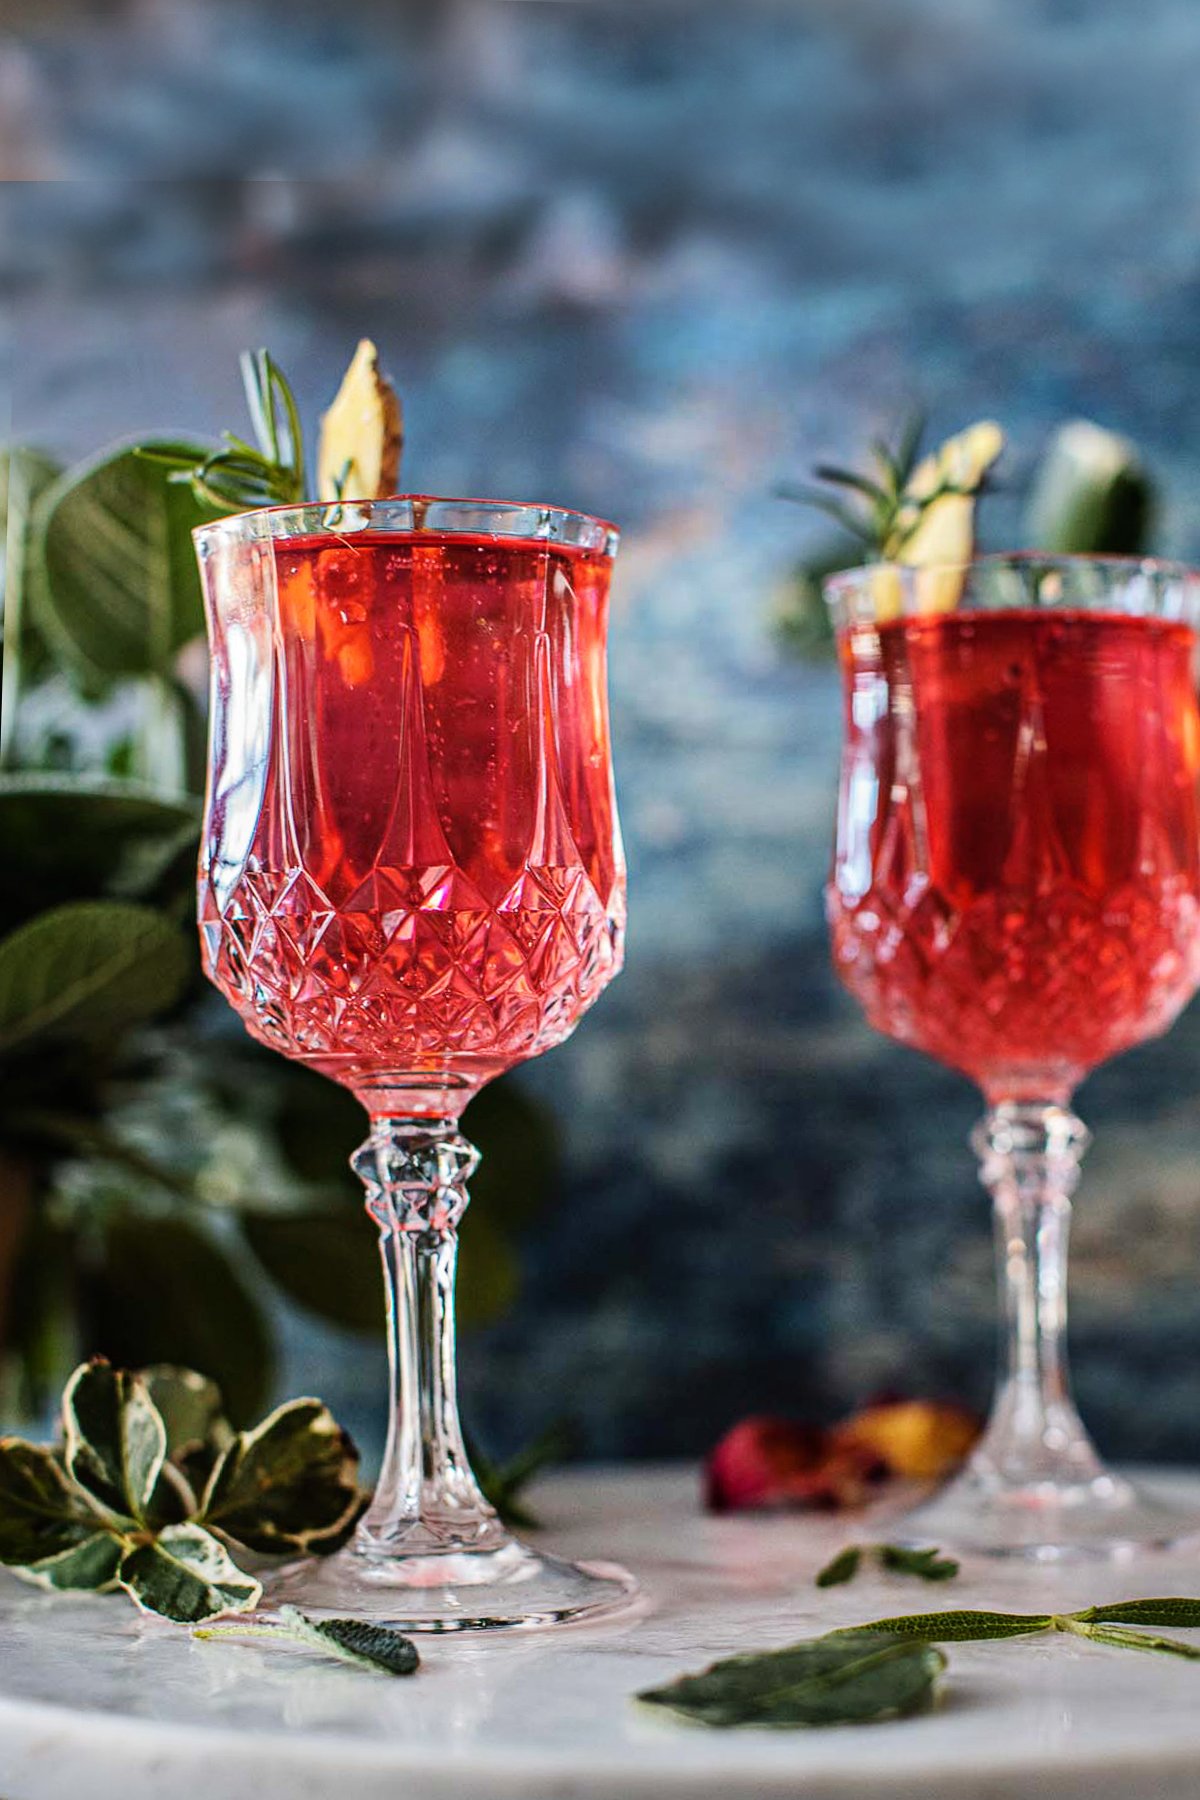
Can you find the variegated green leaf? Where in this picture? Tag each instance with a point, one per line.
(187, 1575)
(116, 1441)
(40, 1515)
(91, 1564)
(288, 1484)
(190, 1406)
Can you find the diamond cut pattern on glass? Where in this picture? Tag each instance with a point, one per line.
(414, 955)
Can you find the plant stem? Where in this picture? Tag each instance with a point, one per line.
(1123, 1638)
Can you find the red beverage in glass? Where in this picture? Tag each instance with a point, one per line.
(1016, 885)
(412, 879)
(432, 887)
(1016, 891)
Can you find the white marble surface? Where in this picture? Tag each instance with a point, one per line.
(99, 1703)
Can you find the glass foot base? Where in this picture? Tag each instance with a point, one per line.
(1103, 1517)
(509, 1588)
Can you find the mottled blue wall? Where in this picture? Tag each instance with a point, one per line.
(648, 261)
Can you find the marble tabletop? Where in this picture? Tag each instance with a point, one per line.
(98, 1702)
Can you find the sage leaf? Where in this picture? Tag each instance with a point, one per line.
(86, 971)
(40, 1514)
(91, 1564)
(187, 1575)
(113, 581)
(1171, 1611)
(116, 1442)
(288, 1484)
(842, 1678)
(930, 1565)
(958, 1626)
(356, 1641)
(843, 1567)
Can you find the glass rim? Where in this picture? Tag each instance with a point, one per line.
(843, 583)
(411, 515)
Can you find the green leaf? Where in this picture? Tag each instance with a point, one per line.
(1171, 1611)
(488, 1273)
(861, 484)
(839, 1679)
(328, 1261)
(365, 1646)
(40, 1319)
(190, 1406)
(167, 1291)
(198, 1432)
(1091, 495)
(520, 1155)
(86, 971)
(187, 1575)
(91, 1565)
(24, 475)
(857, 526)
(288, 1483)
(78, 837)
(40, 1515)
(503, 1483)
(116, 1442)
(843, 1567)
(930, 1565)
(113, 575)
(318, 1124)
(239, 476)
(958, 1626)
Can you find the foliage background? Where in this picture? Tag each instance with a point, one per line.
(651, 260)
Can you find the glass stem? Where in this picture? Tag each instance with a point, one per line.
(415, 1172)
(1030, 1157)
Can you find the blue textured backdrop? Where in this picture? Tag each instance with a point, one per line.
(648, 261)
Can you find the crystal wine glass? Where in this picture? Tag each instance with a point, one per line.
(411, 879)
(1016, 891)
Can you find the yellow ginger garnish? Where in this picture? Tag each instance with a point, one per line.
(362, 434)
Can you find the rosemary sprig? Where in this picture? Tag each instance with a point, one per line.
(883, 509)
(242, 475)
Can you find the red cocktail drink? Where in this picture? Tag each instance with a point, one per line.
(412, 879)
(1017, 880)
(1016, 891)
(432, 888)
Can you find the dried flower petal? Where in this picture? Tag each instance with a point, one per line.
(922, 1439)
(772, 1462)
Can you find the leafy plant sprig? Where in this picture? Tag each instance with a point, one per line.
(150, 1489)
(888, 1668)
(885, 509)
(900, 1559)
(243, 475)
